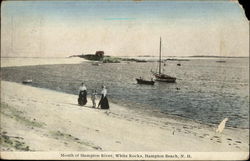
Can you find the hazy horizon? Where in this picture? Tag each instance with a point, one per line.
(62, 28)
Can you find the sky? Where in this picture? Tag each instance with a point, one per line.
(128, 28)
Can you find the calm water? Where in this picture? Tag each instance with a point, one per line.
(208, 91)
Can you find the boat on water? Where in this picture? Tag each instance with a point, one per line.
(143, 81)
(221, 61)
(161, 77)
(27, 81)
(96, 64)
(222, 51)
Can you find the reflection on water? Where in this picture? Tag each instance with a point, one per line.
(205, 91)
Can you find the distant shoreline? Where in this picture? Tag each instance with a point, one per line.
(11, 62)
(212, 56)
(196, 56)
(34, 57)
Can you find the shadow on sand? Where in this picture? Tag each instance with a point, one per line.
(87, 106)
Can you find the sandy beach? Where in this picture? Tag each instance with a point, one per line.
(8, 62)
(42, 120)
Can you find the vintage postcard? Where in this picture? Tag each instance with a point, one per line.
(124, 80)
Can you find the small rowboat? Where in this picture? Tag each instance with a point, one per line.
(27, 81)
(147, 82)
(96, 64)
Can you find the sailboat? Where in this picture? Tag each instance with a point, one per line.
(161, 76)
(222, 52)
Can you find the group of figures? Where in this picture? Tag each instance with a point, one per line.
(82, 99)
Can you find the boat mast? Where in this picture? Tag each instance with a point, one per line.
(160, 58)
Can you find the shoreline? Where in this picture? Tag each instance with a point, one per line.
(42, 103)
(15, 62)
(173, 116)
(148, 112)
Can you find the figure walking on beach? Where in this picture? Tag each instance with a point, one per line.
(82, 99)
(104, 103)
(93, 98)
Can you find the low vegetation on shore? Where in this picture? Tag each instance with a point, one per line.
(99, 56)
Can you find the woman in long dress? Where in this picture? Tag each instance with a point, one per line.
(82, 99)
(104, 103)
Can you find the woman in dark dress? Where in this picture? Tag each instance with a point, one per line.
(82, 99)
(104, 103)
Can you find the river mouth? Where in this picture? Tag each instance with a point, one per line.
(205, 91)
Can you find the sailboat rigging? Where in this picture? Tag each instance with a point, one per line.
(161, 76)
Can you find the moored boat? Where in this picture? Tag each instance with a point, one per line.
(27, 81)
(221, 61)
(160, 76)
(143, 81)
(96, 64)
(164, 78)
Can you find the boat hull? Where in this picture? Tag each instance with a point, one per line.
(27, 81)
(164, 78)
(140, 81)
